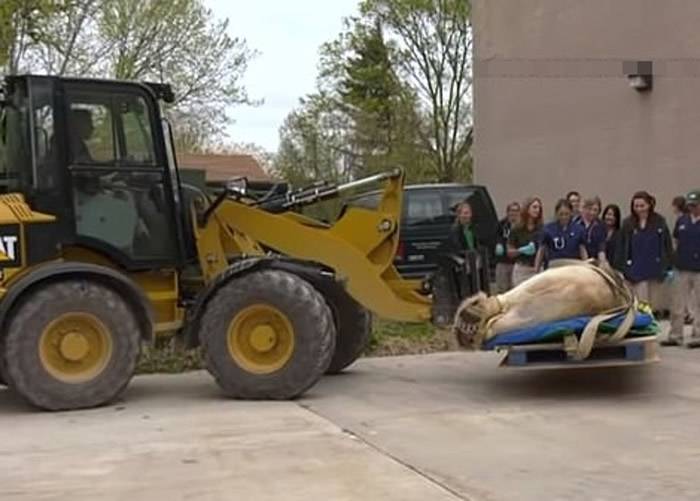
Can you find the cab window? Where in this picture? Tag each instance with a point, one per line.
(138, 145)
(92, 139)
(120, 196)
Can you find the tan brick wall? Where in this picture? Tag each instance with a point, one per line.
(554, 112)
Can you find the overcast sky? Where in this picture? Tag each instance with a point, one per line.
(287, 35)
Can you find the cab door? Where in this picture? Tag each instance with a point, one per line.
(121, 192)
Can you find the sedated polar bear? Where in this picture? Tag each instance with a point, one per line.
(570, 290)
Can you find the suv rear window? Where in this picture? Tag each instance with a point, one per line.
(481, 206)
(422, 207)
(436, 205)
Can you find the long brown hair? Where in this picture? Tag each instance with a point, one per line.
(679, 203)
(648, 198)
(525, 220)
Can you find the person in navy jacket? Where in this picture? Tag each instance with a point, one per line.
(612, 220)
(504, 263)
(595, 233)
(561, 239)
(644, 250)
(686, 284)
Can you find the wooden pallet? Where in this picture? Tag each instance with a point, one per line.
(630, 351)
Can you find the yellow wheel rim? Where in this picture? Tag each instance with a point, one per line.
(261, 339)
(75, 347)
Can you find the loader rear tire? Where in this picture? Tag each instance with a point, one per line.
(354, 326)
(71, 344)
(3, 369)
(267, 335)
(3, 377)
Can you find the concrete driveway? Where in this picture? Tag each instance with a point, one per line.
(438, 427)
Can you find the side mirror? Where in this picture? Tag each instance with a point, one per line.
(238, 186)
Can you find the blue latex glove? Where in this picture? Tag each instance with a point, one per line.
(500, 250)
(669, 275)
(528, 250)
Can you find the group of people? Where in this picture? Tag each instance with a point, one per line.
(641, 246)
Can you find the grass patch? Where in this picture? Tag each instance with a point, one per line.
(395, 338)
(388, 338)
(167, 357)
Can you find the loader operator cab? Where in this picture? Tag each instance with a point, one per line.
(98, 156)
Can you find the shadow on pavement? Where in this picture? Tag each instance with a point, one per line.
(575, 384)
(141, 390)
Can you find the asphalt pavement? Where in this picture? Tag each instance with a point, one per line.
(449, 426)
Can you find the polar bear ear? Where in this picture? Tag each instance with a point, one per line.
(473, 303)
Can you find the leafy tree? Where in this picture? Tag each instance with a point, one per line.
(22, 24)
(374, 109)
(71, 43)
(313, 148)
(363, 118)
(435, 41)
(174, 41)
(180, 42)
(370, 91)
(312, 144)
(381, 106)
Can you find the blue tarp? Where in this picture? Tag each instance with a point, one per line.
(547, 332)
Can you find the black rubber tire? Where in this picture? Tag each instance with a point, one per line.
(311, 320)
(354, 327)
(3, 371)
(21, 355)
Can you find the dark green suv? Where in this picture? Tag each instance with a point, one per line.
(428, 214)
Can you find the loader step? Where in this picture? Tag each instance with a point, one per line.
(630, 351)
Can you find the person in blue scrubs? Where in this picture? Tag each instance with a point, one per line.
(562, 238)
(574, 198)
(686, 283)
(644, 249)
(595, 233)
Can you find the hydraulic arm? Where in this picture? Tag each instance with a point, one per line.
(360, 246)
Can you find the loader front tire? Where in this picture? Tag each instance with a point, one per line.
(267, 335)
(71, 344)
(354, 325)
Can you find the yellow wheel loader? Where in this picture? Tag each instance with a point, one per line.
(102, 248)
